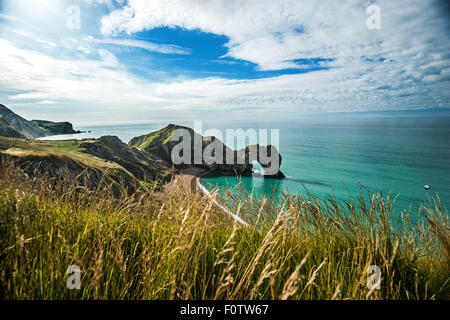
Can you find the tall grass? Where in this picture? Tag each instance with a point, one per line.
(179, 245)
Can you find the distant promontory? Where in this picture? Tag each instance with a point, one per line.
(14, 126)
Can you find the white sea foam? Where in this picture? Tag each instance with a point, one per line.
(226, 210)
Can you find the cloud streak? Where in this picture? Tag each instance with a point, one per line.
(405, 65)
(150, 46)
(273, 34)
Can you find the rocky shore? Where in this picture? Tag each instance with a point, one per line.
(14, 126)
(146, 162)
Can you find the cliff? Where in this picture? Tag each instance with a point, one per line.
(55, 128)
(146, 161)
(144, 166)
(92, 163)
(7, 131)
(22, 127)
(161, 144)
(14, 126)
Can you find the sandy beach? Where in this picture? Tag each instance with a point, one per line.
(187, 180)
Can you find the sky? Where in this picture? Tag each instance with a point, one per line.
(97, 62)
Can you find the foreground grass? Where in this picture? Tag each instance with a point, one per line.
(181, 246)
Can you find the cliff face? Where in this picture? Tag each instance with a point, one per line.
(68, 169)
(157, 143)
(7, 131)
(161, 144)
(147, 160)
(92, 163)
(23, 128)
(14, 126)
(143, 166)
(55, 128)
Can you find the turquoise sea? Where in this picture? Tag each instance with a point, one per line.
(337, 155)
(398, 155)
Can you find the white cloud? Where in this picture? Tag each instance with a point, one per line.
(404, 65)
(150, 46)
(106, 88)
(108, 3)
(266, 32)
(392, 67)
(43, 77)
(108, 58)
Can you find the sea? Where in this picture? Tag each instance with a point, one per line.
(336, 155)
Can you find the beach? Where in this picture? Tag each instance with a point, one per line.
(187, 180)
(333, 156)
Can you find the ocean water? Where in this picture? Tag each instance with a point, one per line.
(339, 155)
(124, 132)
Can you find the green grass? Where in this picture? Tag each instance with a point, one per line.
(154, 245)
(40, 145)
(160, 137)
(72, 155)
(54, 127)
(26, 148)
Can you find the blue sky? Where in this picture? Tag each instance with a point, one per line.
(140, 61)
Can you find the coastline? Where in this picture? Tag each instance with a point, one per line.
(202, 189)
(57, 136)
(189, 180)
(206, 193)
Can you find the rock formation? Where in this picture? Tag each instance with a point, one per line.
(147, 161)
(204, 153)
(55, 128)
(14, 126)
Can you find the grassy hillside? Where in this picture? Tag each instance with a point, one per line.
(158, 142)
(54, 128)
(7, 131)
(21, 126)
(90, 162)
(14, 126)
(152, 245)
